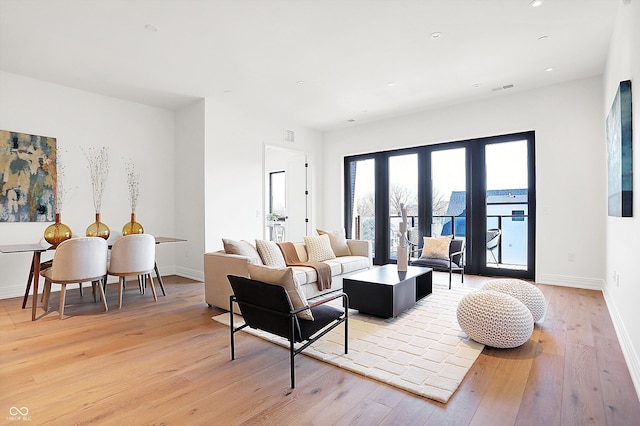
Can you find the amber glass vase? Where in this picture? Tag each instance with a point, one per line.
(132, 227)
(98, 229)
(57, 233)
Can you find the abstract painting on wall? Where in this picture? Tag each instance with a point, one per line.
(27, 177)
(619, 154)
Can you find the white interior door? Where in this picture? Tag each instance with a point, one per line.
(297, 208)
(296, 224)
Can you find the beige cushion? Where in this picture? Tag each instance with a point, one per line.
(283, 277)
(436, 247)
(270, 254)
(242, 248)
(319, 248)
(338, 242)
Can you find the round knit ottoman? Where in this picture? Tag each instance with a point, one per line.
(495, 319)
(527, 293)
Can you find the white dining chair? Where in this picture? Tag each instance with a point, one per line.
(133, 255)
(77, 260)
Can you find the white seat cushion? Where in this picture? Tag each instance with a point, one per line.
(351, 263)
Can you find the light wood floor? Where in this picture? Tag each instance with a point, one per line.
(168, 363)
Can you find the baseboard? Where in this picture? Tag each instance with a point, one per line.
(630, 355)
(189, 273)
(570, 281)
(12, 291)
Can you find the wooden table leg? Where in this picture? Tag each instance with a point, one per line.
(36, 278)
(26, 292)
(155, 267)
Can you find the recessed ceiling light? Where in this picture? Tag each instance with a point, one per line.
(351, 120)
(300, 82)
(548, 69)
(535, 3)
(151, 28)
(436, 35)
(391, 84)
(476, 85)
(226, 92)
(544, 37)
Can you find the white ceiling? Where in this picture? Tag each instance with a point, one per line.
(253, 53)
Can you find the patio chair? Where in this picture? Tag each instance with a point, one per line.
(493, 240)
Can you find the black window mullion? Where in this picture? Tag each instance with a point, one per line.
(382, 209)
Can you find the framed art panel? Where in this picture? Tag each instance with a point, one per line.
(27, 177)
(620, 154)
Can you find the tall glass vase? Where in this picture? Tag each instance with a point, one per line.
(57, 233)
(98, 229)
(132, 227)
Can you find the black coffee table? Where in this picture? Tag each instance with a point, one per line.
(385, 291)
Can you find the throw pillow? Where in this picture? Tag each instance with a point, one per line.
(338, 242)
(319, 248)
(242, 248)
(284, 278)
(436, 247)
(270, 254)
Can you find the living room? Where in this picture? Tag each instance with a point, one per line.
(190, 155)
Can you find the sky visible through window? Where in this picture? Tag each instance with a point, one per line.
(506, 169)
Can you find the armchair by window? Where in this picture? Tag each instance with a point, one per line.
(268, 307)
(454, 262)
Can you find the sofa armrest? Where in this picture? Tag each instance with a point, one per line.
(361, 248)
(217, 265)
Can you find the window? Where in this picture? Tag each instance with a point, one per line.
(464, 189)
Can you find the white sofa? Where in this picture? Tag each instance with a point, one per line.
(217, 265)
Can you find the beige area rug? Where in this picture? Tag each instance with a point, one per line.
(422, 351)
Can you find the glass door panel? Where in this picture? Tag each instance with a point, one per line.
(403, 189)
(277, 205)
(507, 208)
(363, 200)
(448, 193)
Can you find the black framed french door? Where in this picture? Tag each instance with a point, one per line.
(467, 189)
(502, 223)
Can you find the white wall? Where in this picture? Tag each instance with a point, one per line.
(623, 234)
(81, 119)
(234, 170)
(567, 120)
(189, 194)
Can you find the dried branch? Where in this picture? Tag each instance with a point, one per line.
(133, 180)
(99, 169)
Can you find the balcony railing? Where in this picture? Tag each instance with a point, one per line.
(511, 251)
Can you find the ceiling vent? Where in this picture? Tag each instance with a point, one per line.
(289, 136)
(508, 86)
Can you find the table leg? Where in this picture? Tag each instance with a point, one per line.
(36, 278)
(26, 292)
(155, 267)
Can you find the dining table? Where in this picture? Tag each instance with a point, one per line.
(34, 270)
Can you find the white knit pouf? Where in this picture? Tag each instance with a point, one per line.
(527, 293)
(495, 319)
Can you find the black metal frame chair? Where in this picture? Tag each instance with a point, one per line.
(268, 307)
(455, 262)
